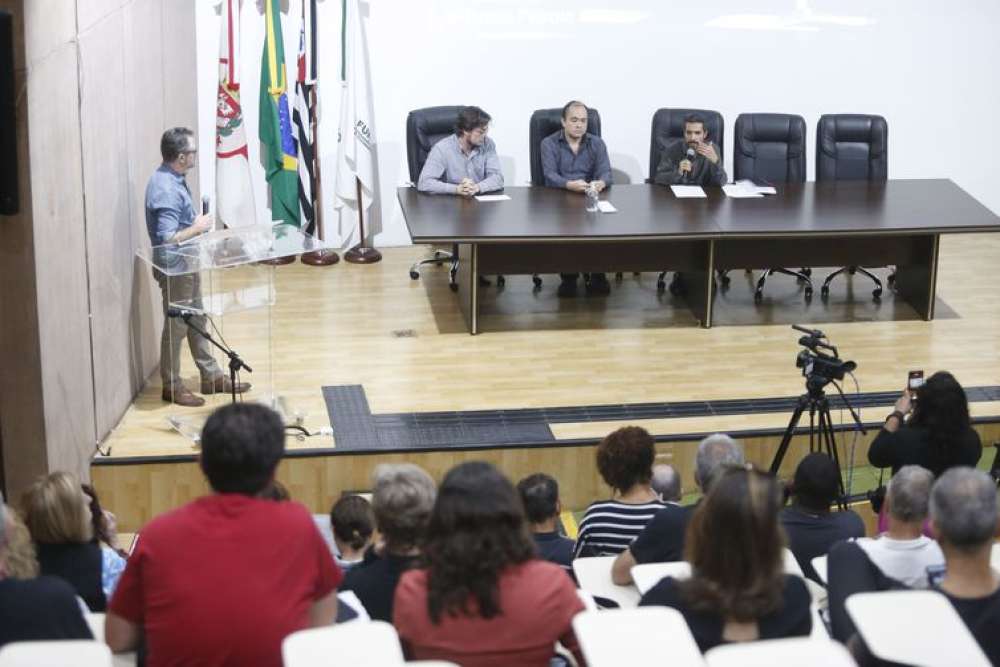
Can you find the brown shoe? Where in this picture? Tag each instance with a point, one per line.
(181, 395)
(222, 385)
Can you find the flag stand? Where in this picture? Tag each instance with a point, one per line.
(361, 253)
(317, 257)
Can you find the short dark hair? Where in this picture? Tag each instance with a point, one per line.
(175, 141)
(696, 118)
(540, 497)
(241, 445)
(817, 482)
(352, 520)
(471, 118)
(575, 103)
(625, 458)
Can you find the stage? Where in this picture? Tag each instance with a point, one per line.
(391, 360)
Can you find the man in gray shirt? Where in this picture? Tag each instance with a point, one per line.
(464, 163)
(693, 160)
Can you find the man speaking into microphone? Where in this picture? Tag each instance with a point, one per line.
(693, 160)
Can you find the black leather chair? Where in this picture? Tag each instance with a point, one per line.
(771, 148)
(424, 128)
(667, 125)
(544, 122)
(852, 147)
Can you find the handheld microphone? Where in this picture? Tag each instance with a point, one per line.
(180, 312)
(689, 156)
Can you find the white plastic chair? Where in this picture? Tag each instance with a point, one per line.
(616, 637)
(915, 628)
(771, 652)
(819, 564)
(594, 576)
(58, 653)
(354, 644)
(792, 565)
(995, 556)
(96, 622)
(589, 604)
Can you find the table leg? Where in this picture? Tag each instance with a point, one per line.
(468, 285)
(699, 283)
(917, 282)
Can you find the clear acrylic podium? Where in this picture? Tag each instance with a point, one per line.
(235, 292)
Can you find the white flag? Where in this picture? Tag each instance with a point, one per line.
(234, 202)
(356, 134)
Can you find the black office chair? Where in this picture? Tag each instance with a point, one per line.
(852, 147)
(543, 123)
(771, 148)
(668, 125)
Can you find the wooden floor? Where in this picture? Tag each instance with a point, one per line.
(405, 342)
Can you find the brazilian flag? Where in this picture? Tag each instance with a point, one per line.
(278, 144)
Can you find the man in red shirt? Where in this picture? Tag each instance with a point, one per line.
(224, 579)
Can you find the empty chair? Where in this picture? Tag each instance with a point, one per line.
(594, 576)
(667, 126)
(58, 653)
(356, 643)
(770, 652)
(933, 634)
(771, 148)
(852, 147)
(634, 636)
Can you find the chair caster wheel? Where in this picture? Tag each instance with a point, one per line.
(414, 275)
(807, 272)
(453, 287)
(501, 281)
(891, 279)
(618, 277)
(758, 296)
(824, 291)
(725, 280)
(809, 293)
(661, 285)
(537, 281)
(877, 293)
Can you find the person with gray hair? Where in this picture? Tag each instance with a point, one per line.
(662, 539)
(903, 552)
(666, 482)
(36, 609)
(964, 516)
(402, 499)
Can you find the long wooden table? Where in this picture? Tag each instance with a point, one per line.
(545, 230)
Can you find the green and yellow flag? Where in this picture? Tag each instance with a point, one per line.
(278, 144)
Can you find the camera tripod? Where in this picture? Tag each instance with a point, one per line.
(820, 427)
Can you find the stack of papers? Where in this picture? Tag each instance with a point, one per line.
(688, 191)
(746, 189)
(492, 198)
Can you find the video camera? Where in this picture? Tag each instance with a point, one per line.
(820, 367)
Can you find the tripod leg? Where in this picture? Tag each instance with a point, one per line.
(786, 439)
(826, 434)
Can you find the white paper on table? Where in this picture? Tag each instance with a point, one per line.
(606, 207)
(688, 191)
(492, 197)
(739, 191)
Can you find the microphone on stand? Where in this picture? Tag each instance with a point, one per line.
(206, 204)
(180, 312)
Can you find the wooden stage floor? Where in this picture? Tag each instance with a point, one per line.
(405, 343)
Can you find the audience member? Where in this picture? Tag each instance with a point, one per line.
(402, 500)
(964, 517)
(810, 525)
(223, 579)
(938, 433)
(17, 558)
(738, 590)
(57, 513)
(106, 533)
(353, 524)
(483, 599)
(540, 497)
(903, 552)
(663, 539)
(34, 609)
(667, 483)
(625, 461)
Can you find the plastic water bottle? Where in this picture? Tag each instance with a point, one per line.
(592, 199)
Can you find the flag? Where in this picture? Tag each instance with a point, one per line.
(234, 202)
(356, 135)
(303, 114)
(278, 144)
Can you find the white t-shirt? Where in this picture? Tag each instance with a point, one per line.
(905, 561)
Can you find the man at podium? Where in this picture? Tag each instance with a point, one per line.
(171, 219)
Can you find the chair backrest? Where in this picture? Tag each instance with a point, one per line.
(852, 147)
(617, 637)
(594, 576)
(543, 123)
(669, 124)
(770, 147)
(59, 653)
(819, 566)
(424, 128)
(933, 634)
(356, 643)
(791, 651)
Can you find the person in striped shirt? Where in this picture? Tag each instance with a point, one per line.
(625, 461)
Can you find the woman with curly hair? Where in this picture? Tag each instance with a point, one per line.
(625, 461)
(482, 597)
(738, 589)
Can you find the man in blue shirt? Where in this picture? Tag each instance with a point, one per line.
(464, 163)
(576, 160)
(171, 220)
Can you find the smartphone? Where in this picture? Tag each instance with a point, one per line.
(914, 381)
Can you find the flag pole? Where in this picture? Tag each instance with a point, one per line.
(362, 253)
(317, 257)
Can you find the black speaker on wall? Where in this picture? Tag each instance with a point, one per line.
(8, 128)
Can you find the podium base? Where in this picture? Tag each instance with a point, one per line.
(278, 261)
(362, 254)
(320, 258)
